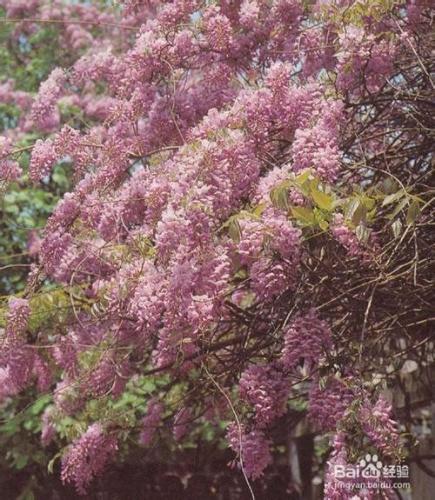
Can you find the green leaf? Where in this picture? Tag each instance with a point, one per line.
(11, 427)
(21, 461)
(148, 385)
(323, 224)
(351, 207)
(40, 404)
(359, 214)
(400, 206)
(234, 230)
(396, 227)
(369, 203)
(391, 198)
(413, 212)
(279, 197)
(322, 200)
(304, 215)
(259, 209)
(302, 177)
(362, 233)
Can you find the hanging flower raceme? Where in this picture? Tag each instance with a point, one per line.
(380, 427)
(43, 109)
(17, 318)
(87, 457)
(328, 404)
(16, 358)
(306, 338)
(10, 170)
(151, 422)
(252, 448)
(267, 390)
(182, 420)
(43, 158)
(188, 238)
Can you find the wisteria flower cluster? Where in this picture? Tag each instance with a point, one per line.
(215, 145)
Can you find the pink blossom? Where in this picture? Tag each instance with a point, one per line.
(307, 337)
(329, 404)
(48, 430)
(252, 447)
(151, 421)
(42, 160)
(87, 457)
(9, 169)
(267, 390)
(380, 427)
(17, 317)
(343, 234)
(182, 421)
(49, 91)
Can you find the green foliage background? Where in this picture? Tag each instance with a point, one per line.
(23, 208)
(27, 61)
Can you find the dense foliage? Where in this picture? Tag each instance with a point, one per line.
(247, 238)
